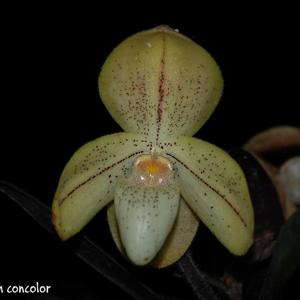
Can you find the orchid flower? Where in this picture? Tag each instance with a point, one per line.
(160, 87)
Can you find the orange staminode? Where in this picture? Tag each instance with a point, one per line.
(152, 170)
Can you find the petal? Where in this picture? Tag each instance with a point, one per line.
(177, 242)
(274, 140)
(87, 182)
(113, 227)
(145, 216)
(160, 83)
(215, 187)
(180, 238)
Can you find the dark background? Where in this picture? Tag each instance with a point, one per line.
(49, 105)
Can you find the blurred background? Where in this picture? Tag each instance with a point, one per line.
(49, 107)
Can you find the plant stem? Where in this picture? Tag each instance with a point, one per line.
(196, 278)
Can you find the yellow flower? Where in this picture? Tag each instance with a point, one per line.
(160, 87)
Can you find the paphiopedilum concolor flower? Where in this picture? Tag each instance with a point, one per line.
(160, 87)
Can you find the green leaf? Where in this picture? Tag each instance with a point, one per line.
(285, 260)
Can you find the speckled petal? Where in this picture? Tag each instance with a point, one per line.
(88, 180)
(160, 83)
(215, 187)
(177, 242)
(145, 216)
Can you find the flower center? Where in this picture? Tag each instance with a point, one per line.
(152, 170)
